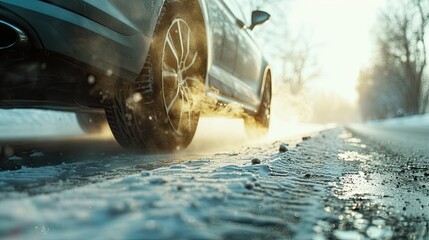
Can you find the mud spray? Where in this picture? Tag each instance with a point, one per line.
(228, 133)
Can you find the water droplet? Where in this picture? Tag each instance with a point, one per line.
(109, 72)
(91, 79)
(137, 97)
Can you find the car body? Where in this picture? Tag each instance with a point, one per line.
(75, 55)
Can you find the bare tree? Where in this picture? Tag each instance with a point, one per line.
(292, 53)
(299, 64)
(379, 94)
(402, 43)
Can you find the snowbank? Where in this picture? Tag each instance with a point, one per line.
(415, 121)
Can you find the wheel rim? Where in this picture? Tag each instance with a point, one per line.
(179, 60)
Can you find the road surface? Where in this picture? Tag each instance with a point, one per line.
(339, 183)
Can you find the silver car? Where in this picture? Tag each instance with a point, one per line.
(150, 67)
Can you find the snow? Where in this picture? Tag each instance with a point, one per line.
(415, 121)
(23, 124)
(37, 154)
(307, 192)
(15, 158)
(157, 204)
(404, 135)
(212, 197)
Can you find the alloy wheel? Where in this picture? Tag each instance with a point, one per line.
(179, 78)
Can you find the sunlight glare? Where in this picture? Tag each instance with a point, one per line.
(341, 31)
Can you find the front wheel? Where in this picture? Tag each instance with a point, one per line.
(160, 111)
(258, 125)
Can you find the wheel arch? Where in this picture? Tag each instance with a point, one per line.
(204, 27)
(202, 10)
(267, 74)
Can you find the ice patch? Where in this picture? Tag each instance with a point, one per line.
(347, 235)
(15, 158)
(36, 154)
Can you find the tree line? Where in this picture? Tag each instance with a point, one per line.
(396, 83)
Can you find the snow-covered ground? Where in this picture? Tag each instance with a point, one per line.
(405, 135)
(416, 121)
(211, 191)
(214, 197)
(332, 185)
(24, 124)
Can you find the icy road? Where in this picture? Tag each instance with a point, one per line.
(339, 183)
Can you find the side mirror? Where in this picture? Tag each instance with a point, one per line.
(259, 18)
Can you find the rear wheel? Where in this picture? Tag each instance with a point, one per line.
(258, 124)
(160, 111)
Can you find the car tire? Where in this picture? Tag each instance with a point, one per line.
(159, 112)
(91, 122)
(258, 125)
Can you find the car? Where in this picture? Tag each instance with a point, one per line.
(148, 67)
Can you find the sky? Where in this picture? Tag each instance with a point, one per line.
(342, 33)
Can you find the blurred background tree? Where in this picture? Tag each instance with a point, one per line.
(293, 53)
(294, 57)
(396, 83)
(295, 64)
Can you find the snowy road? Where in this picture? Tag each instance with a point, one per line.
(406, 137)
(335, 185)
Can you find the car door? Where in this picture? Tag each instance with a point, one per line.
(236, 66)
(249, 57)
(224, 44)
